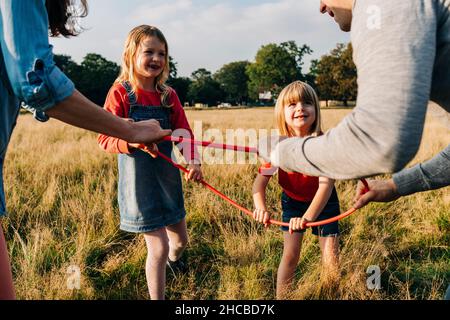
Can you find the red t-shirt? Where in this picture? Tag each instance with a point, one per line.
(296, 185)
(117, 103)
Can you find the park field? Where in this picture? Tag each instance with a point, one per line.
(63, 221)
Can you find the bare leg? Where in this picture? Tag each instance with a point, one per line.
(330, 263)
(155, 268)
(289, 261)
(6, 282)
(178, 239)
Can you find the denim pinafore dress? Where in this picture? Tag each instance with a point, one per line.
(150, 192)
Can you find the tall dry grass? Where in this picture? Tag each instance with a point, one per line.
(61, 193)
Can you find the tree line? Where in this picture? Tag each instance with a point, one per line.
(237, 83)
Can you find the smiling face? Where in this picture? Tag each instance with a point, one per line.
(340, 10)
(151, 59)
(300, 117)
(297, 111)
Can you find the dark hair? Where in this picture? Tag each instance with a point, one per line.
(63, 15)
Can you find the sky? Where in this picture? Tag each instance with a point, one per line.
(205, 33)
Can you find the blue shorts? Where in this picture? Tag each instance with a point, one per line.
(296, 209)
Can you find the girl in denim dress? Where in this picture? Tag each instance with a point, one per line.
(304, 198)
(150, 191)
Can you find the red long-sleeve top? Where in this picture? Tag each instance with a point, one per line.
(298, 186)
(117, 103)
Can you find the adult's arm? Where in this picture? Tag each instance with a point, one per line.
(395, 61)
(430, 175)
(37, 82)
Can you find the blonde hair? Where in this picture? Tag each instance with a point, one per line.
(127, 73)
(295, 92)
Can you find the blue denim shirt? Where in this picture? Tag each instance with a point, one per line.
(27, 71)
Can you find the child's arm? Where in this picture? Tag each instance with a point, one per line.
(317, 205)
(180, 127)
(114, 104)
(260, 213)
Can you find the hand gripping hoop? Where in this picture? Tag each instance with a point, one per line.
(232, 202)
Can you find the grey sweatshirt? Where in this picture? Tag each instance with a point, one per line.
(403, 62)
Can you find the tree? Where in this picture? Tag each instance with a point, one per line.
(311, 76)
(181, 86)
(346, 75)
(63, 61)
(336, 77)
(70, 68)
(297, 52)
(233, 80)
(98, 76)
(204, 89)
(276, 66)
(201, 74)
(325, 81)
(173, 68)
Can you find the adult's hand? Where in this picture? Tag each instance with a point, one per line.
(380, 191)
(150, 148)
(147, 132)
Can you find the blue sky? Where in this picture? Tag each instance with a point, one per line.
(204, 33)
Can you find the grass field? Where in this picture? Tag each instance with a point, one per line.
(61, 194)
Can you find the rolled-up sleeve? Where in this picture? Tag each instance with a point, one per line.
(28, 55)
(430, 175)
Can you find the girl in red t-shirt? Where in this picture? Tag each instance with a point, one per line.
(304, 198)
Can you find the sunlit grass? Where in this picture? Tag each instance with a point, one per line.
(61, 193)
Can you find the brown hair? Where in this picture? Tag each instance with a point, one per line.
(134, 39)
(63, 15)
(295, 92)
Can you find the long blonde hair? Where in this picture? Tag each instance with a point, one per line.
(295, 92)
(127, 73)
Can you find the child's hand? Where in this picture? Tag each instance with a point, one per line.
(304, 221)
(151, 149)
(297, 224)
(195, 173)
(133, 146)
(262, 215)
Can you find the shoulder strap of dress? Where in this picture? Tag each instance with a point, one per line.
(130, 92)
